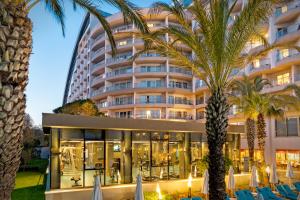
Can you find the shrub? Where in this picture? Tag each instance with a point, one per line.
(203, 164)
(80, 107)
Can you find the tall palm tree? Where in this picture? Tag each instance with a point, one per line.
(217, 44)
(15, 50)
(248, 92)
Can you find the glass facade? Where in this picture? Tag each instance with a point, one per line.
(119, 156)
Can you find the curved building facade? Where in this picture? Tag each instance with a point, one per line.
(153, 87)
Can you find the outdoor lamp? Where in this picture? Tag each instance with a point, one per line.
(190, 186)
(268, 170)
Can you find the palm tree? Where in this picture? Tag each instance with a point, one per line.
(248, 92)
(15, 50)
(217, 46)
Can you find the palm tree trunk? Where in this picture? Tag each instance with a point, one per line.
(250, 131)
(15, 49)
(216, 128)
(261, 134)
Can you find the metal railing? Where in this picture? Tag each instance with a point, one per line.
(119, 87)
(97, 92)
(287, 30)
(96, 65)
(150, 84)
(119, 72)
(149, 69)
(118, 59)
(180, 70)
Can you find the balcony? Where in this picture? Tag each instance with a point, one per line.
(288, 34)
(99, 52)
(151, 100)
(263, 65)
(200, 84)
(97, 92)
(150, 71)
(180, 116)
(100, 38)
(150, 114)
(150, 84)
(120, 72)
(119, 87)
(122, 28)
(200, 115)
(121, 45)
(180, 70)
(180, 101)
(286, 59)
(98, 66)
(183, 86)
(151, 57)
(98, 80)
(287, 13)
(121, 102)
(119, 59)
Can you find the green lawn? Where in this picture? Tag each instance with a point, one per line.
(29, 186)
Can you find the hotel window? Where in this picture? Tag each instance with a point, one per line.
(287, 127)
(123, 114)
(283, 53)
(150, 25)
(94, 156)
(71, 158)
(256, 63)
(199, 100)
(114, 164)
(283, 79)
(159, 152)
(122, 43)
(292, 126)
(141, 155)
(176, 156)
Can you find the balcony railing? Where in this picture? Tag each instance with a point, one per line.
(150, 69)
(150, 101)
(182, 86)
(181, 101)
(126, 101)
(118, 43)
(118, 59)
(181, 117)
(263, 64)
(99, 51)
(150, 55)
(287, 30)
(292, 53)
(118, 73)
(149, 115)
(291, 6)
(97, 92)
(122, 28)
(200, 115)
(99, 37)
(150, 85)
(96, 65)
(180, 70)
(119, 87)
(97, 79)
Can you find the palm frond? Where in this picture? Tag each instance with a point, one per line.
(56, 8)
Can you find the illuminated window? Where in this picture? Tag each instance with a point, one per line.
(284, 53)
(283, 79)
(284, 9)
(256, 63)
(122, 43)
(150, 25)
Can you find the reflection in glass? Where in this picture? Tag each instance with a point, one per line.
(196, 153)
(94, 159)
(160, 149)
(141, 156)
(71, 158)
(113, 158)
(176, 156)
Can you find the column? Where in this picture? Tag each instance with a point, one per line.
(54, 161)
(187, 152)
(127, 157)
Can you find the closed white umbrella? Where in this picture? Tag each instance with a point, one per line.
(253, 178)
(273, 175)
(139, 195)
(231, 182)
(289, 173)
(205, 182)
(97, 192)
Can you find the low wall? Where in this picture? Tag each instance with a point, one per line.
(125, 192)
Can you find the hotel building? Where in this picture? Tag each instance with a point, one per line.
(152, 87)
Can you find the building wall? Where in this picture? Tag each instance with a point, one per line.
(122, 88)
